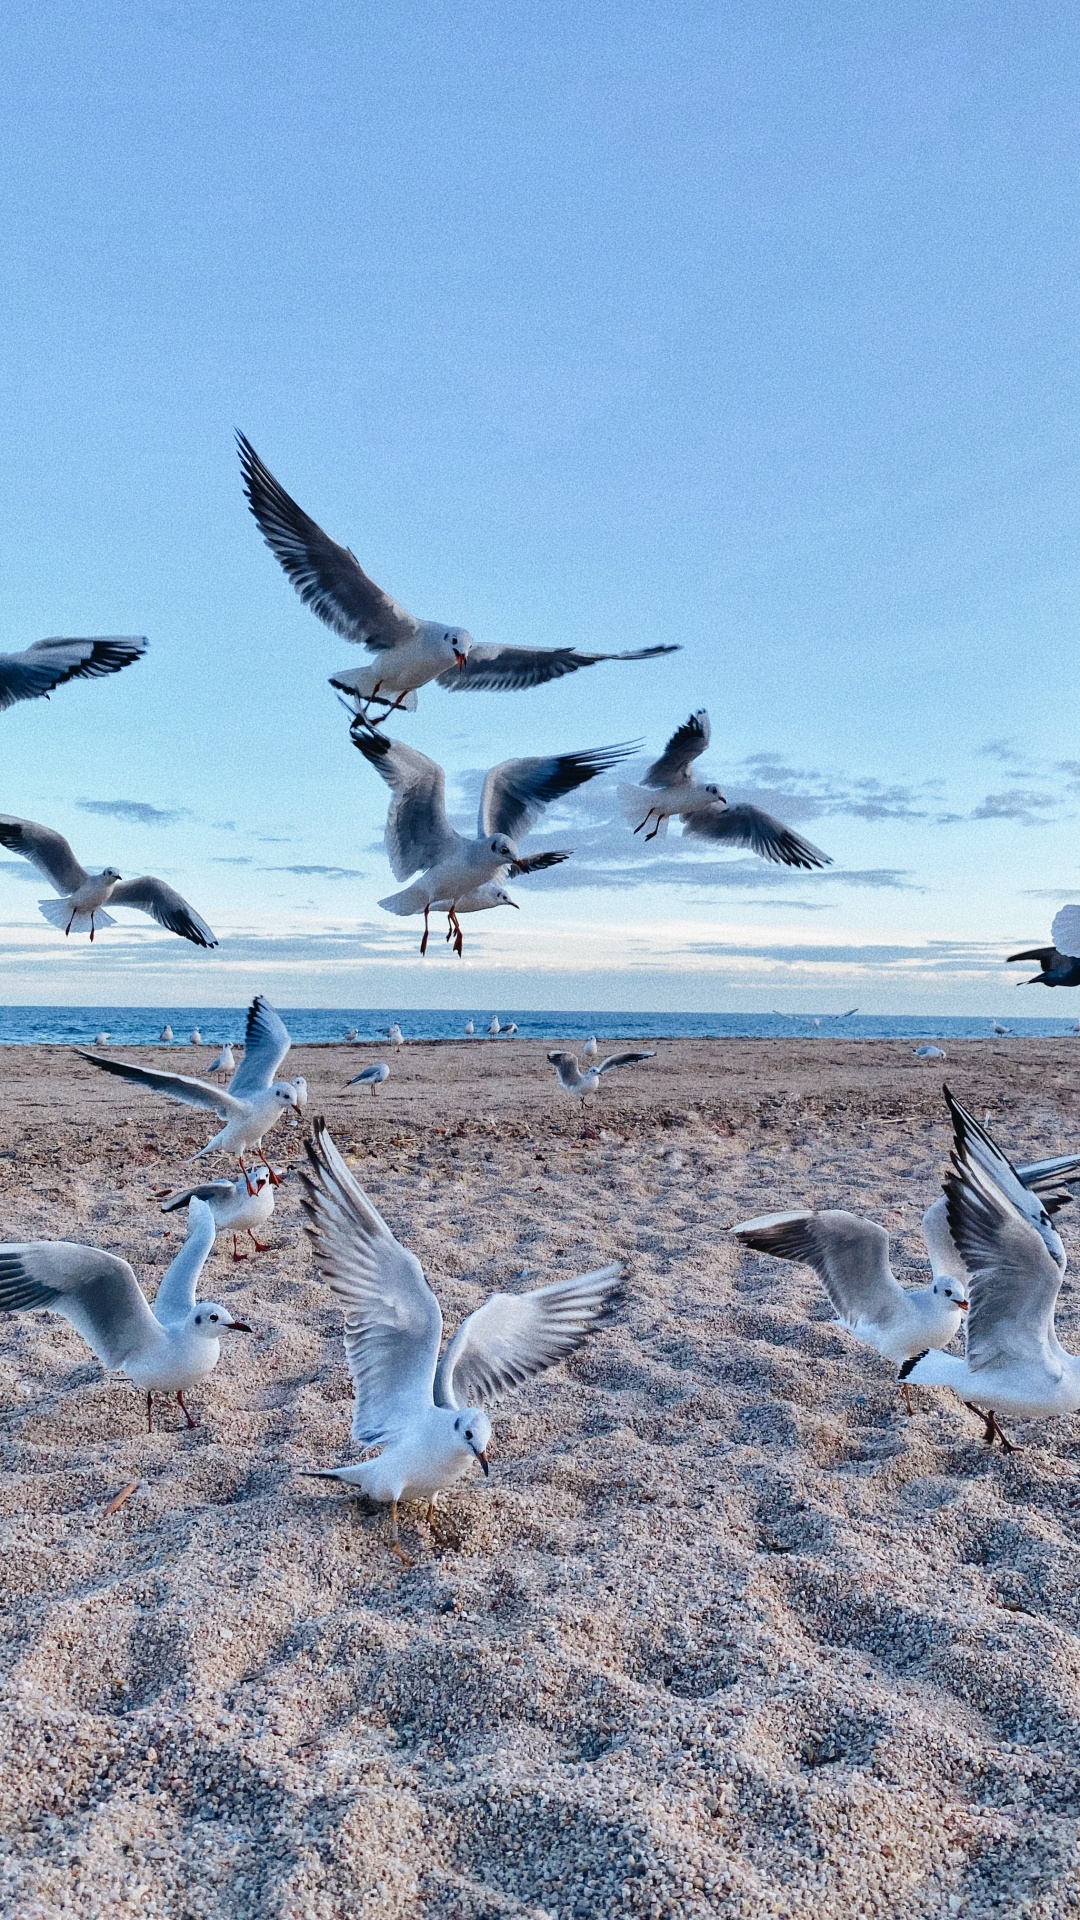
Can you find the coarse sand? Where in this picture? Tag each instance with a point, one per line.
(725, 1633)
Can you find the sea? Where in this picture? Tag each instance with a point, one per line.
(141, 1026)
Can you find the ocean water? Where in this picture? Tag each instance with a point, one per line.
(140, 1026)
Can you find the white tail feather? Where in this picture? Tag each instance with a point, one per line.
(412, 900)
(58, 913)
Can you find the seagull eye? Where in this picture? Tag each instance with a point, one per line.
(468, 1433)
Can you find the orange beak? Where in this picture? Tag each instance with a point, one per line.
(460, 658)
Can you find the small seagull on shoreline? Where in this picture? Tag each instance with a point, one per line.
(34, 673)
(237, 1206)
(470, 1029)
(928, 1052)
(166, 1035)
(579, 1082)
(590, 1050)
(671, 790)
(494, 1027)
(195, 1037)
(84, 895)
(373, 1077)
(168, 1348)
(427, 1414)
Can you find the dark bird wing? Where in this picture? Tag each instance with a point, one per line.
(418, 833)
(51, 663)
(1044, 955)
(97, 1292)
(622, 1060)
(746, 826)
(166, 906)
(517, 791)
(49, 852)
(849, 1254)
(176, 1086)
(1015, 1277)
(266, 1042)
(328, 578)
(686, 743)
(975, 1147)
(510, 669)
(515, 1336)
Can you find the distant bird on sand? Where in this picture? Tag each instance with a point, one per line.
(998, 1028)
(51, 663)
(419, 835)
(408, 653)
(237, 1207)
(470, 1029)
(580, 1082)
(195, 1037)
(428, 1414)
(590, 1050)
(1059, 963)
(494, 1027)
(166, 1035)
(670, 789)
(84, 895)
(166, 1349)
(253, 1103)
(510, 1029)
(373, 1077)
(928, 1052)
(225, 1062)
(101, 1039)
(352, 1034)
(395, 1035)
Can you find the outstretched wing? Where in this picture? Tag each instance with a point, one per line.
(517, 791)
(1015, 1279)
(975, 1146)
(266, 1042)
(510, 669)
(49, 852)
(849, 1254)
(175, 1086)
(328, 578)
(686, 743)
(418, 833)
(166, 906)
(393, 1326)
(623, 1060)
(51, 663)
(176, 1295)
(514, 1336)
(96, 1292)
(746, 826)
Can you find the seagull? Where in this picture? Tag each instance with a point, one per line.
(408, 653)
(225, 1062)
(489, 895)
(85, 895)
(580, 1082)
(590, 1050)
(237, 1207)
(419, 835)
(254, 1102)
(395, 1035)
(101, 1039)
(166, 1035)
(164, 1350)
(372, 1077)
(850, 1255)
(1013, 1361)
(1060, 962)
(494, 1028)
(928, 1052)
(195, 1037)
(352, 1034)
(670, 789)
(470, 1029)
(51, 663)
(998, 1028)
(510, 1029)
(429, 1415)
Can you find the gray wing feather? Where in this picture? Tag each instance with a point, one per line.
(849, 1254)
(686, 743)
(1015, 1279)
(209, 1191)
(97, 1292)
(418, 833)
(514, 1336)
(975, 1147)
(746, 826)
(51, 663)
(175, 1296)
(1038, 1174)
(517, 791)
(166, 906)
(49, 852)
(393, 1326)
(176, 1086)
(623, 1060)
(266, 1042)
(511, 669)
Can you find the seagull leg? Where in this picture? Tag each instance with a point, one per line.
(235, 1255)
(247, 1177)
(989, 1423)
(656, 829)
(274, 1178)
(149, 1413)
(995, 1428)
(182, 1404)
(261, 1246)
(91, 929)
(395, 1543)
(906, 1391)
(645, 822)
(427, 930)
(458, 940)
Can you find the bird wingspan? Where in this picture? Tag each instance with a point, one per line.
(746, 826)
(418, 833)
(1044, 955)
(97, 1292)
(393, 1325)
(849, 1254)
(51, 663)
(684, 747)
(517, 791)
(210, 1190)
(175, 1296)
(176, 1086)
(511, 669)
(623, 1060)
(266, 1042)
(975, 1147)
(328, 578)
(1015, 1279)
(49, 852)
(514, 1336)
(164, 905)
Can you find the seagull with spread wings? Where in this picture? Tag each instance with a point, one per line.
(419, 835)
(34, 673)
(83, 896)
(579, 1082)
(429, 1415)
(671, 790)
(254, 1101)
(1060, 962)
(408, 653)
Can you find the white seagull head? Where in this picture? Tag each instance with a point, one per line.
(209, 1319)
(473, 1429)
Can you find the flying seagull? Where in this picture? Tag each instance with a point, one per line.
(408, 652)
(1060, 963)
(419, 835)
(51, 663)
(252, 1104)
(164, 1349)
(670, 789)
(429, 1415)
(83, 895)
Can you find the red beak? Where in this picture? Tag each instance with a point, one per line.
(460, 658)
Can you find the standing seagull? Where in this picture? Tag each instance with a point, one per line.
(428, 1414)
(408, 652)
(1060, 963)
(590, 1050)
(254, 1102)
(164, 1350)
(580, 1082)
(237, 1207)
(84, 895)
(419, 835)
(225, 1062)
(52, 663)
(373, 1077)
(166, 1035)
(1013, 1362)
(671, 789)
(494, 1027)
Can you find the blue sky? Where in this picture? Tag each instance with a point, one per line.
(748, 328)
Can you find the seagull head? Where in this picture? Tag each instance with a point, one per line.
(110, 873)
(953, 1291)
(500, 898)
(209, 1319)
(502, 845)
(714, 792)
(473, 1429)
(459, 643)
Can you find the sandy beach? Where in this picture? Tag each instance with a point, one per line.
(725, 1632)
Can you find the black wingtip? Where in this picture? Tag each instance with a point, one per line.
(913, 1362)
